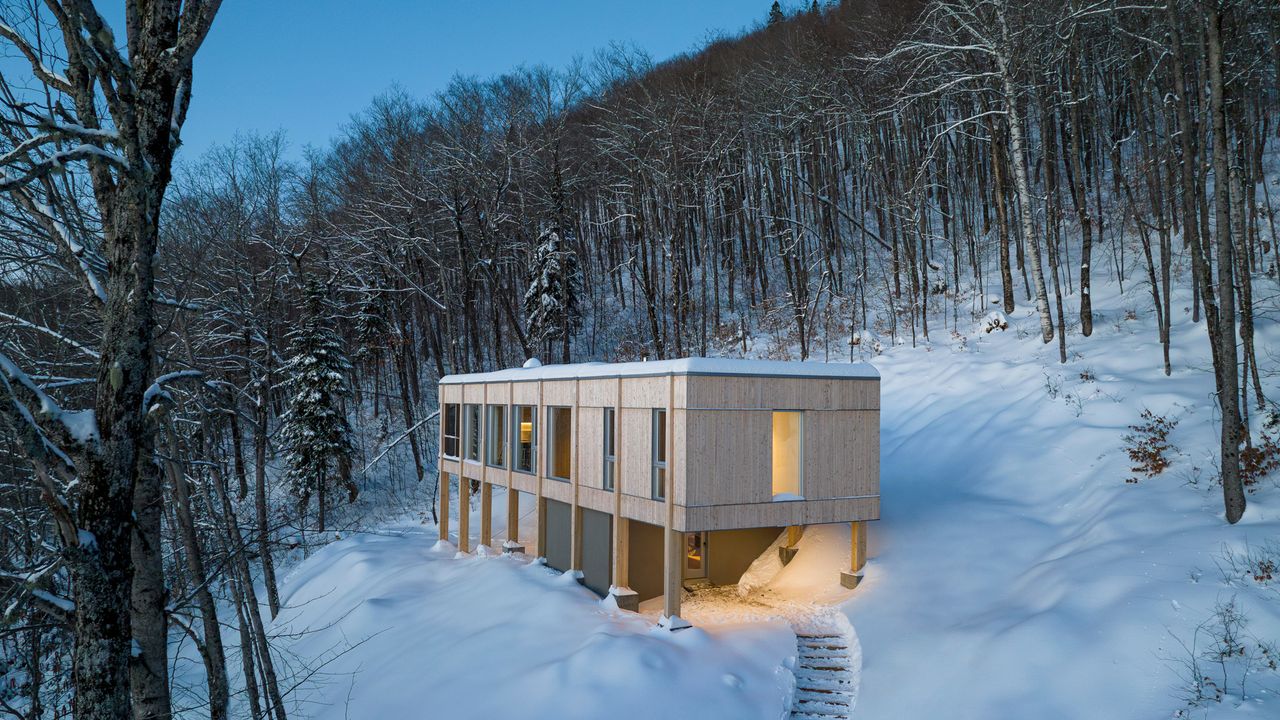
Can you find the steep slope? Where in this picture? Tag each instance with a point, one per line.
(1015, 573)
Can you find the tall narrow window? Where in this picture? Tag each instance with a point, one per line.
(610, 451)
(524, 435)
(788, 456)
(471, 432)
(560, 442)
(659, 454)
(452, 433)
(495, 436)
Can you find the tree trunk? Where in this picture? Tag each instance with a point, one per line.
(1228, 397)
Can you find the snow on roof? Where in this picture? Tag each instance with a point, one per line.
(682, 366)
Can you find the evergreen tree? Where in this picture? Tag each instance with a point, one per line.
(371, 330)
(814, 9)
(315, 432)
(551, 303)
(775, 13)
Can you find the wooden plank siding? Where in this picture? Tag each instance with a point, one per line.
(730, 457)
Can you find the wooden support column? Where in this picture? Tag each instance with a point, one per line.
(788, 550)
(673, 542)
(575, 511)
(858, 548)
(486, 514)
(857, 555)
(673, 571)
(513, 497)
(539, 467)
(620, 528)
(513, 517)
(464, 514)
(794, 532)
(443, 491)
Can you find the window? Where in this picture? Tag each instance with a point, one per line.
(659, 454)
(560, 442)
(524, 437)
(495, 436)
(452, 433)
(610, 451)
(788, 446)
(471, 430)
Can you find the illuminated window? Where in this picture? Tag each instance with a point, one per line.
(471, 431)
(560, 442)
(788, 445)
(495, 436)
(610, 451)
(524, 438)
(452, 433)
(659, 454)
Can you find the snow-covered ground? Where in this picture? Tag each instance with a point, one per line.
(399, 628)
(1014, 574)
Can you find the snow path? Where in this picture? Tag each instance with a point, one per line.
(828, 660)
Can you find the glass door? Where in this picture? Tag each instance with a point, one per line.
(695, 555)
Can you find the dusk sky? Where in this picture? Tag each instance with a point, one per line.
(309, 65)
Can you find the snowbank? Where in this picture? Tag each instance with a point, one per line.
(405, 631)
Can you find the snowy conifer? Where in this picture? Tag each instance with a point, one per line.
(316, 435)
(371, 330)
(775, 14)
(551, 303)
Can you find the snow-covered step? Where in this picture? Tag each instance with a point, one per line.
(835, 684)
(824, 677)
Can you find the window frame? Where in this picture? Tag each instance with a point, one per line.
(472, 424)
(445, 437)
(659, 466)
(515, 443)
(800, 456)
(609, 449)
(493, 435)
(550, 455)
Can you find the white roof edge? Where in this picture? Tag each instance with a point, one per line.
(682, 366)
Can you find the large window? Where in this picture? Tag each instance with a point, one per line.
(452, 432)
(788, 455)
(495, 436)
(524, 438)
(560, 442)
(471, 432)
(659, 454)
(610, 449)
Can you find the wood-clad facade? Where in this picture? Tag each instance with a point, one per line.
(686, 447)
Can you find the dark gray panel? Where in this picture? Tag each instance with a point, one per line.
(597, 550)
(556, 542)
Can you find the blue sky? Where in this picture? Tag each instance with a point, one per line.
(306, 66)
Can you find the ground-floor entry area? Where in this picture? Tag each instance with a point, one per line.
(718, 557)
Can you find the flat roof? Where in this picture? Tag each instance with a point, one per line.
(682, 366)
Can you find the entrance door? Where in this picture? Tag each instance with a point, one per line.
(695, 555)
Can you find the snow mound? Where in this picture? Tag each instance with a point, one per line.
(403, 630)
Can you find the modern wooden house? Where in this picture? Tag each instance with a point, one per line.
(650, 475)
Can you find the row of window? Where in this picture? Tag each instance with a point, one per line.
(519, 438)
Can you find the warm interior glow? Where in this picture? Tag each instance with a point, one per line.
(788, 439)
(526, 431)
(561, 442)
(693, 551)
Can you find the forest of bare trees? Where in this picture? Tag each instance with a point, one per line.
(863, 169)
